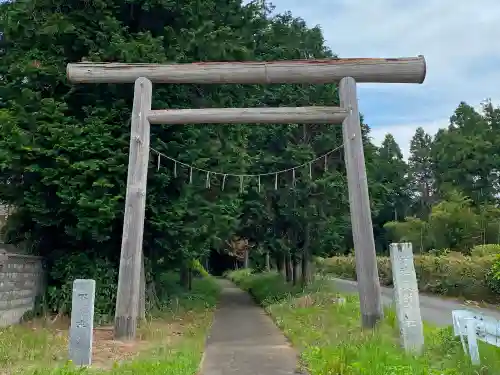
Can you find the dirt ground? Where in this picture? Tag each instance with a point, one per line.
(107, 351)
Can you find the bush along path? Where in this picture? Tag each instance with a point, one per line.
(170, 342)
(327, 331)
(475, 277)
(244, 340)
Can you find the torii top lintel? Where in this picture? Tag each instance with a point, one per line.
(377, 70)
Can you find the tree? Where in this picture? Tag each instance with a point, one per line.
(389, 192)
(421, 172)
(64, 148)
(454, 224)
(413, 230)
(287, 220)
(464, 157)
(393, 174)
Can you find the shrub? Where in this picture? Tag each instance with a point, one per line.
(173, 297)
(485, 250)
(318, 260)
(452, 275)
(439, 252)
(71, 266)
(493, 276)
(199, 269)
(238, 276)
(266, 288)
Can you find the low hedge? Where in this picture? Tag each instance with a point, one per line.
(485, 250)
(494, 276)
(450, 275)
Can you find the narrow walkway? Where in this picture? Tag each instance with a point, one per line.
(244, 340)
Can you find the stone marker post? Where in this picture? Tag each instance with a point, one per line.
(406, 297)
(82, 322)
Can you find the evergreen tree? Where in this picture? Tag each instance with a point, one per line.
(463, 156)
(420, 172)
(390, 187)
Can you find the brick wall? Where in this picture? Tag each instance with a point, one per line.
(21, 280)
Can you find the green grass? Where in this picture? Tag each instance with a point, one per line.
(172, 339)
(20, 344)
(331, 342)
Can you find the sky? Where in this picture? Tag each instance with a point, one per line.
(459, 39)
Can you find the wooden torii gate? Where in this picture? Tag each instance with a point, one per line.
(345, 71)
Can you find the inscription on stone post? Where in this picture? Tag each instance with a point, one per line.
(406, 297)
(82, 322)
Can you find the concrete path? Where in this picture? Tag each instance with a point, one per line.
(244, 340)
(435, 310)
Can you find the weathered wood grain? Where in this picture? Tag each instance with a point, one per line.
(129, 278)
(388, 70)
(279, 115)
(359, 205)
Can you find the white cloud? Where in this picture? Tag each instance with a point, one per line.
(458, 39)
(454, 36)
(404, 133)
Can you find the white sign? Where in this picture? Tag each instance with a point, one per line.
(475, 327)
(406, 297)
(82, 322)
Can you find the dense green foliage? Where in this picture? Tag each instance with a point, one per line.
(494, 276)
(64, 148)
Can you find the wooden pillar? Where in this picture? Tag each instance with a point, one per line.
(359, 204)
(268, 262)
(127, 298)
(142, 290)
